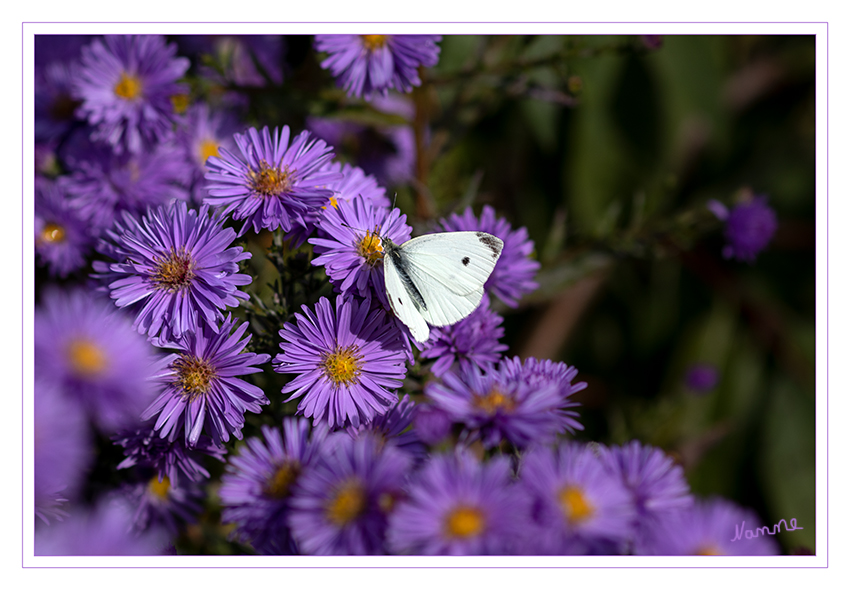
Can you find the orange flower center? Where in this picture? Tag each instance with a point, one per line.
(464, 522)
(347, 504)
(373, 42)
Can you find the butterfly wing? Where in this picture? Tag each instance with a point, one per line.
(460, 261)
(403, 305)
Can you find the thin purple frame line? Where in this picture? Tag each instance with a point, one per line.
(22, 293)
(432, 23)
(442, 22)
(826, 521)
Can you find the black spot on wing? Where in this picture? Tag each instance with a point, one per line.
(490, 242)
(399, 301)
(465, 260)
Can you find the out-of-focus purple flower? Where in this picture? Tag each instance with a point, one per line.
(91, 352)
(62, 241)
(159, 503)
(235, 54)
(513, 276)
(657, 485)
(104, 530)
(702, 377)
(354, 184)
(494, 407)
(54, 103)
(457, 505)
(201, 385)
(144, 448)
(59, 48)
(352, 254)
(577, 506)
(368, 64)
(710, 527)
(200, 137)
(473, 341)
(750, 226)
(393, 428)
(270, 183)
(543, 373)
(431, 424)
(386, 151)
(175, 268)
(341, 505)
(346, 357)
(652, 41)
(102, 185)
(126, 84)
(62, 450)
(259, 482)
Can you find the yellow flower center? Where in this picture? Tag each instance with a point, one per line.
(194, 375)
(53, 233)
(180, 102)
(333, 203)
(708, 550)
(87, 358)
(270, 181)
(373, 42)
(370, 248)
(129, 87)
(208, 147)
(279, 483)
(342, 366)
(174, 271)
(494, 401)
(574, 505)
(347, 504)
(464, 522)
(159, 488)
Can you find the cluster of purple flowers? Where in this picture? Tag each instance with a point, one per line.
(148, 349)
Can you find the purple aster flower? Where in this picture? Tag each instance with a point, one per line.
(702, 377)
(270, 183)
(657, 485)
(102, 185)
(457, 505)
(91, 352)
(577, 506)
(353, 184)
(346, 358)
(203, 133)
(386, 151)
(175, 268)
(104, 530)
(62, 450)
(432, 425)
(494, 406)
(710, 527)
(749, 226)
(126, 84)
(173, 460)
(473, 341)
(159, 503)
(394, 428)
(352, 254)
(513, 276)
(54, 103)
(258, 484)
(201, 388)
(367, 64)
(341, 504)
(542, 373)
(62, 241)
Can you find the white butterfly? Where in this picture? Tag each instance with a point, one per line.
(438, 279)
